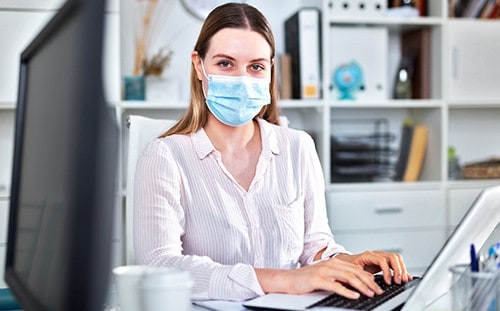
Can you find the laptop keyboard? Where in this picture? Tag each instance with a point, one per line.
(365, 302)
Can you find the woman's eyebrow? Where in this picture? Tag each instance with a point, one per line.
(221, 55)
(263, 59)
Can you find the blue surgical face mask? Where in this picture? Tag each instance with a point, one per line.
(236, 100)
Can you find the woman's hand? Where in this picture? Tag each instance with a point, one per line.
(332, 275)
(375, 261)
(340, 275)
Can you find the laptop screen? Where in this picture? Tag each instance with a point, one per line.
(475, 228)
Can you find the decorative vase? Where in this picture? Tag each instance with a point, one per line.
(134, 88)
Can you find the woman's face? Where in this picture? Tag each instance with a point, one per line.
(237, 52)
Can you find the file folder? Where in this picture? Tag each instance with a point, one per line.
(303, 44)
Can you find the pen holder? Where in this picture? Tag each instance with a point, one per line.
(478, 291)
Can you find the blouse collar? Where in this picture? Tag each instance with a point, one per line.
(203, 146)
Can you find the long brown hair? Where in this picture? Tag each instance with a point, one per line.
(229, 15)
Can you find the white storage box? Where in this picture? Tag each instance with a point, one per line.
(357, 8)
(368, 46)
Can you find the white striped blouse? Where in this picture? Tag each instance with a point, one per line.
(190, 212)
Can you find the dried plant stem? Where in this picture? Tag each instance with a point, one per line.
(141, 41)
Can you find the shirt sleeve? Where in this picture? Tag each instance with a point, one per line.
(159, 225)
(318, 234)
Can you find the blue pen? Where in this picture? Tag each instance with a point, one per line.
(494, 257)
(474, 263)
(494, 250)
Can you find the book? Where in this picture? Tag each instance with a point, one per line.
(489, 8)
(416, 156)
(459, 7)
(284, 62)
(496, 12)
(303, 44)
(492, 10)
(419, 42)
(404, 150)
(474, 8)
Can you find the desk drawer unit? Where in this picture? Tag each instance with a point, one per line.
(408, 222)
(418, 248)
(386, 209)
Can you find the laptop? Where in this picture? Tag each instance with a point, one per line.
(475, 227)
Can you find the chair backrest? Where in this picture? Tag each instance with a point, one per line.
(141, 131)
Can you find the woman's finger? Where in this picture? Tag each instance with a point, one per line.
(355, 277)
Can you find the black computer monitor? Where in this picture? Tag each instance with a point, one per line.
(64, 168)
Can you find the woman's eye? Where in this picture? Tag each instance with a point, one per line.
(224, 64)
(257, 67)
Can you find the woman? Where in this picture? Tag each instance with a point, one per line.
(233, 197)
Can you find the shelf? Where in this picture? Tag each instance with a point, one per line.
(301, 103)
(474, 104)
(7, 106)
(401, 23)
(472, 183)
(391, 103)
(139, 104)
(384, 186)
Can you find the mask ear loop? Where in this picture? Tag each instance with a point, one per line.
(206, 76)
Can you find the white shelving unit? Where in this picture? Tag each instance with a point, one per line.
(413, 218)
(463, 111)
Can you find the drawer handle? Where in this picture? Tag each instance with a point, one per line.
(455, 59)
(388, 210)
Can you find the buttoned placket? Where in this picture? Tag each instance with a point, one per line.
(250, 208)
(254, 230)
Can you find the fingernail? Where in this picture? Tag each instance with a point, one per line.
(355, 295)
(398, 280)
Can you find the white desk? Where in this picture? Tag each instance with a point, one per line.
(220, 305)
(442, 304)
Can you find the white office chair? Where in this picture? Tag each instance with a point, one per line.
(141, 131)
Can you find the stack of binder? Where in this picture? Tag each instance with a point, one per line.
(363, 157)
(303, 44)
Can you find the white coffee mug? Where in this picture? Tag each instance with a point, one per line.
(128, 281)
(166, 289)
(145, 288)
